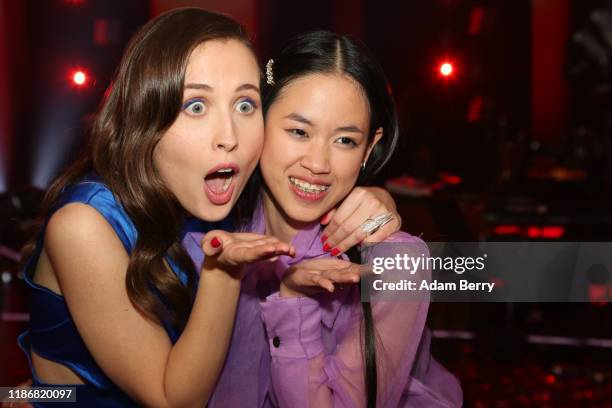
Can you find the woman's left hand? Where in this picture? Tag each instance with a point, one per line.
(344, 223)
(316, 275)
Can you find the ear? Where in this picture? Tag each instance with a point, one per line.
(377, 136)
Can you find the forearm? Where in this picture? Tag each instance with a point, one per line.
(196, 360)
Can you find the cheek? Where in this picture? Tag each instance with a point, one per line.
(275, 151)
(178, 155)
(347, 168)
(266, 164)
(162, 158)
(272, 142)
(171, 153)
(251, 140)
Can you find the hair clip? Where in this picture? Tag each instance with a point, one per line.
(269, 75)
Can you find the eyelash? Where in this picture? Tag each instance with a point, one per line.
(251, 101)
(190, 102)
(300, 133)
(351, 142)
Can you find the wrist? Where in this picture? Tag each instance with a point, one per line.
(212, 268)
(219, 281)
(286, 292)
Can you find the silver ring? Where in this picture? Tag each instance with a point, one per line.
(371, 225)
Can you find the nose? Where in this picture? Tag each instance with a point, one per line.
(316, 157)
(225, 138)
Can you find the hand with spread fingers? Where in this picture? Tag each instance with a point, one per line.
(230, 251)
(316, 275)
(367, 214)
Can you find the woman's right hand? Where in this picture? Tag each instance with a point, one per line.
(230, 251)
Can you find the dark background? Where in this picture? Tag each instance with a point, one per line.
(516, 144)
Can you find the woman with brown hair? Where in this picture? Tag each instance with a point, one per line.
(118, 310)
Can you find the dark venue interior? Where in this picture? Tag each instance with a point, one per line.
(506, 115)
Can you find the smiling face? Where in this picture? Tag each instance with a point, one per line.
(209, 152)
(316, 139)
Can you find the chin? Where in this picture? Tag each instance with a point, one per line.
(304, 215)
(207, 211)
(216, 213)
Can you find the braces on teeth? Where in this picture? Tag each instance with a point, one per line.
(307, 187)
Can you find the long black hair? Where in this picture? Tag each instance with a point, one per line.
(328, 53)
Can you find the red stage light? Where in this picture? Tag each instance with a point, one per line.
(507, 230)
(553, 232)
(79, 77)
(546, 232)
(450, 178)
(533, 232)
(446, 69)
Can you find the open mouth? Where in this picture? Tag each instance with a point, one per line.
(219, 186)
(220, 181)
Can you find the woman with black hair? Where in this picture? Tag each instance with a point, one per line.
(330, 123)
(119, 311)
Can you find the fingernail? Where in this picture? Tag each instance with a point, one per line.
(322, 220)
(215, 242)
(326, 247)
(335, 251)
(323, 238)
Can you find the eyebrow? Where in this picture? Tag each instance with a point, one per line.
(209, 88)
(299, 118)
(246, 87)
(199, 86)
(350, 129)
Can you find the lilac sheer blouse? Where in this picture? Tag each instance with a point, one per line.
(307, 352)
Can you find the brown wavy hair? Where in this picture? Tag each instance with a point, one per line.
(142, 103)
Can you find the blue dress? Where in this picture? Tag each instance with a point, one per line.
(52, 333)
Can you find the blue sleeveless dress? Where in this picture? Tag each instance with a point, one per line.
(52, 333)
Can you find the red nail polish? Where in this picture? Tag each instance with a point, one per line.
(335, 251)
(215, 242)
(326, 247)
(323, 238)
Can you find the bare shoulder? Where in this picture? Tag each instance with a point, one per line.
(77, 234)
(75, 220)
